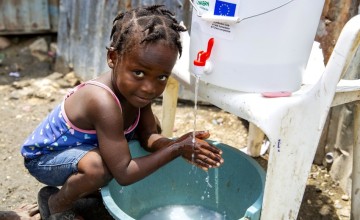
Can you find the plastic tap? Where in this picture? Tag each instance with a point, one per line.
(201, 59)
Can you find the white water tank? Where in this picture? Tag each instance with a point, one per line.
(259, 45)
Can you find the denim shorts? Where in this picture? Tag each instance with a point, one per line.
(55, 168)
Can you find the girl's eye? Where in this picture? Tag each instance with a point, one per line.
(163, 78)
(139, 73)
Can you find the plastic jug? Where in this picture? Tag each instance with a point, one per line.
(259, 45)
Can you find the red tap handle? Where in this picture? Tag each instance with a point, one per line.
(209, 47)
(202, 56)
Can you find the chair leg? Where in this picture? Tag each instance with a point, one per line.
(289, 165)
(355, 192)
(255, 140)
(170, 97)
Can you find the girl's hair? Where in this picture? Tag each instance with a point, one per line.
(145, 25)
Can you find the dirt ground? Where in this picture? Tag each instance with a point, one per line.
(29, 89)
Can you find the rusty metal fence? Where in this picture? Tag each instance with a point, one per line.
(85, 26)
(28, 16)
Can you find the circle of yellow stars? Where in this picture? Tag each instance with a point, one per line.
(221, 9)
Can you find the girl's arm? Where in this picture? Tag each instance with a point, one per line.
(148, 133)
(107, 119)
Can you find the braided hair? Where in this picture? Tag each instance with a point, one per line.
(145, 25)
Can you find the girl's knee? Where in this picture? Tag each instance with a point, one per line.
(98, 169)
(93, 166)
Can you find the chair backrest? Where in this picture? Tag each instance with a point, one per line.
(340, 60)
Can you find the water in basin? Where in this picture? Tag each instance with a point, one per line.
(234, 190)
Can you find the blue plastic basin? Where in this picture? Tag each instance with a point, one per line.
(236, 188)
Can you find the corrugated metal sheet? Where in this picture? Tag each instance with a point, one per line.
(28, 16)
(84, 31)
(181, 8)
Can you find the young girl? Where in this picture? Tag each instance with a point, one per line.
(83, 143)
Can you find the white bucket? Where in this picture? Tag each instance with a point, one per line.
(259, 46)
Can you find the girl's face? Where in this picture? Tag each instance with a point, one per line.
(141, 75)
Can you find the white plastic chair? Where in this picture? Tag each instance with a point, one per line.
(293, 124)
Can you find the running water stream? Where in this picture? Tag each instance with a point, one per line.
(190, 212)
(207, 179)
(195, 110)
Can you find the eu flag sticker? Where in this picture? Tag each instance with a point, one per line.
(223, 8)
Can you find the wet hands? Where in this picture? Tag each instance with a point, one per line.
(200, 153)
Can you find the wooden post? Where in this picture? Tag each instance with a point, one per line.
(169, 104)
(355, 191)
(255, 140)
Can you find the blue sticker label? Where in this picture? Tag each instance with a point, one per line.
(223, 8)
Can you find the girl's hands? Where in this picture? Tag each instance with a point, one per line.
(202, 154)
